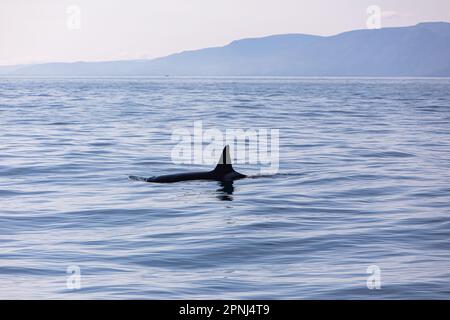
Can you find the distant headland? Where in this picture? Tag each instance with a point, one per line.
(420, 50)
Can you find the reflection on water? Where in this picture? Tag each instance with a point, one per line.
(225, 192)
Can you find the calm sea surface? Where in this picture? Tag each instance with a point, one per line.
(364, 180)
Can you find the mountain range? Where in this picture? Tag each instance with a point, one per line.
(420, 50)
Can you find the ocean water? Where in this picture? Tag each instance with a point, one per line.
(364, 180)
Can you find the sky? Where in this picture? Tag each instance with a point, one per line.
(37, 31)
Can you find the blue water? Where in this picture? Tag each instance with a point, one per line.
(363, 180)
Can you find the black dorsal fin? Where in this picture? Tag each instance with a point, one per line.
(224, 164)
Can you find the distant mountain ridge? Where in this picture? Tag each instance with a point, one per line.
(420, 50)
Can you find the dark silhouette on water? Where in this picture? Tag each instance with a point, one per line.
(222, 172)
(225, 191)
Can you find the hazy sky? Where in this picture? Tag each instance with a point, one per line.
(53, 30)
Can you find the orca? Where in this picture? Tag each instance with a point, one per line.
(222, 172)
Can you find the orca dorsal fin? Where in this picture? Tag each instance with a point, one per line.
(224, 164)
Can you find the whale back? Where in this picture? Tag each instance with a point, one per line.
(222, 172)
